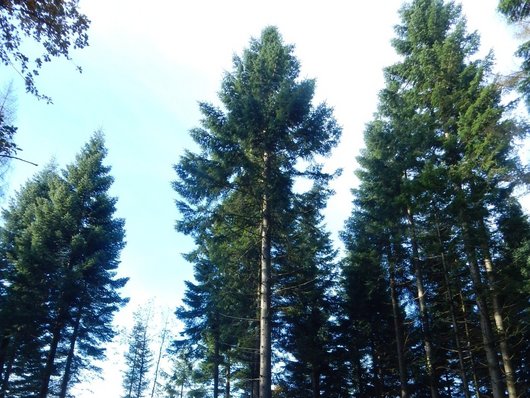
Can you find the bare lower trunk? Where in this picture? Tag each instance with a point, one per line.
(157, 367)
(485, 326)
(70, 357)
(216, 364)
(422, 304)
(452, 310)
(265, 382)
(499, 322)
(9, 359)
(315, 380)
(50, 360)
(398, 329)
(468, 344)
(227, 377)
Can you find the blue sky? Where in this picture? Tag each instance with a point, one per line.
(148, 65)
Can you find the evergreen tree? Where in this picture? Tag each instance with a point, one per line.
(60, 244)
(138, 358)
(252, 149)
(439, 157)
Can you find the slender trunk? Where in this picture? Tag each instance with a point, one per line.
(4, 345)
(182, 390)
(227, 377)
(216, 363)
(468, 344)
(10, 356)
(452, 310)
(377, 371)
(163, 340)
(398, 328)
(315, 380)
(485, 326)
(50, 359)
(265, 381)
(424, 318)
(497, 316)
(143, 351)
(70, 356)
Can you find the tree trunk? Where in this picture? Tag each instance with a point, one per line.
(4, 345)
(141, 370)
(70, 356)
(227, 377)
(265, 382)
(8, 367)
(497, 316)
(424, 318)
(398, 328)
(50, 359)
(485, 326)
(216, 362)
(469, 345)
(315, 380)
(452, 310)
(163, 340)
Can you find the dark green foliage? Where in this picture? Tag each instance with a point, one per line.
(439, 166)
(60, 247)
(236, 200)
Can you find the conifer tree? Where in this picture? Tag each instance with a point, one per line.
(61, 244)
(138, 358)
(252, 147)
(439, 158)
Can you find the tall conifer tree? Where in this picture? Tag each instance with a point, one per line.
(252, 148)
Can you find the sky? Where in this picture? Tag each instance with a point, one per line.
(147, 67)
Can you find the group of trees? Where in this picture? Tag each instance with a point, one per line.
(431, 297)
(59, 248)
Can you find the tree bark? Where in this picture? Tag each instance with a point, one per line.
(315, 380)
(398, 327)
(50, 359)
(497, 316)
(265, 381)
(216, 362)
(452, 310)
(8, 366)
(228, 374)
(424, 318)
(485, 326)
(70, 356)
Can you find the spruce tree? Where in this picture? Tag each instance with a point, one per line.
(252, 147)
(61, 244)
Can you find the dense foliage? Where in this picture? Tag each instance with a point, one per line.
(59, 247)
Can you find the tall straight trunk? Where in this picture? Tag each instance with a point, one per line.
(4, 345)
(315, 380)
(377, 371)
(216, 362)
(70, 356)
(9, 359)
(159, 358)
(497, 316)
(485, 326)
(265, 352)
(228, 374)
(142, 369)
(452, 310)
(468, 344)
(50, 359)
(422, 304)
(398, 327)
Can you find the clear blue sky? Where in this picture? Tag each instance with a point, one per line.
(147, 66)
